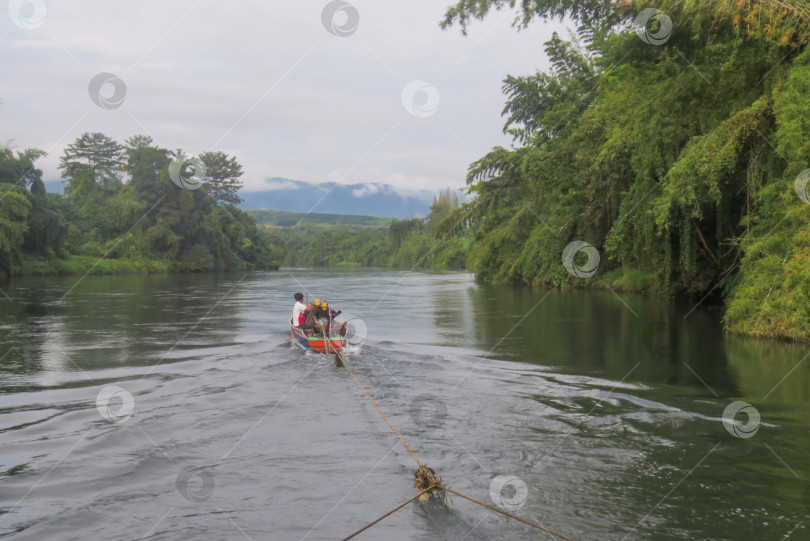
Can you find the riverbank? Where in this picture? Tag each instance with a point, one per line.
(80, 265)
(77, 264)
(783, 318)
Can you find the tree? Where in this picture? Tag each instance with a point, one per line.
(222, 176)
(30, 221)
(137, 142)
(147, 166)
(780, 21)
(20, 170)
(594, 13)
(399, 229)
(443, 205)
(542, 105)
(14, 208)
(47, 224)
(97, 154)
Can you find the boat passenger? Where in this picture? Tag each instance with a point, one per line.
(309, 317)
(325, 318)
(321, 316)
(337, 327)
(298, 310)
(332, 312)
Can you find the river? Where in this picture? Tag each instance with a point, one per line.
(174, 407)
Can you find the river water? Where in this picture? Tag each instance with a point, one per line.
(174, 407)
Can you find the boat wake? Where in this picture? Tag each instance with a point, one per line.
(351, 349)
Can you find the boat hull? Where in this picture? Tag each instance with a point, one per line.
(317, 344)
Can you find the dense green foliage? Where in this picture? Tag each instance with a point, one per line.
(677, 161)
(413, 243)
(121, 212)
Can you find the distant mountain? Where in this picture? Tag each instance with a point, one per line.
(329, 197)
(371, 199)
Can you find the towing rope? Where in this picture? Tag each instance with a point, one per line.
(426, 476)
(389, 513)
(373, 403)
(510, 515)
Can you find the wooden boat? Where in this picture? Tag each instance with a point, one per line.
(316, 343)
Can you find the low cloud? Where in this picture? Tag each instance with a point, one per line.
(269, 84)
(276, 185)
(368, 189)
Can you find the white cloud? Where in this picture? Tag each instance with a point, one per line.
(275, 185)
(266, 81)
(368, 189)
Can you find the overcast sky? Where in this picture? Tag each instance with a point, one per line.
(268, 82)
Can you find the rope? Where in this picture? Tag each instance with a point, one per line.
(388, 514)
(373, 403)
(327, 340)
(510, 515)
(437, 484)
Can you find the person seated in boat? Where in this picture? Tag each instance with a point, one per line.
(339, 327)
(326, 318)
(299, 309)
(320, 316)
(310, 312)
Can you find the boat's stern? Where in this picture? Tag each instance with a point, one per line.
(318, 344)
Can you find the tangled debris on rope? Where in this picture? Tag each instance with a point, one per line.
(428, 485)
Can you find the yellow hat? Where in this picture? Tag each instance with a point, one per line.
(316, 302)
(325, 305)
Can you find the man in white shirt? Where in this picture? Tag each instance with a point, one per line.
(298, 309)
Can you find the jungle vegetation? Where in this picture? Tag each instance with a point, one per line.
(676, 144)
(121, 212)
(410, 243)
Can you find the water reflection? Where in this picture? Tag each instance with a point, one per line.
(109, 321)
(593, 332)
(686, 363)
